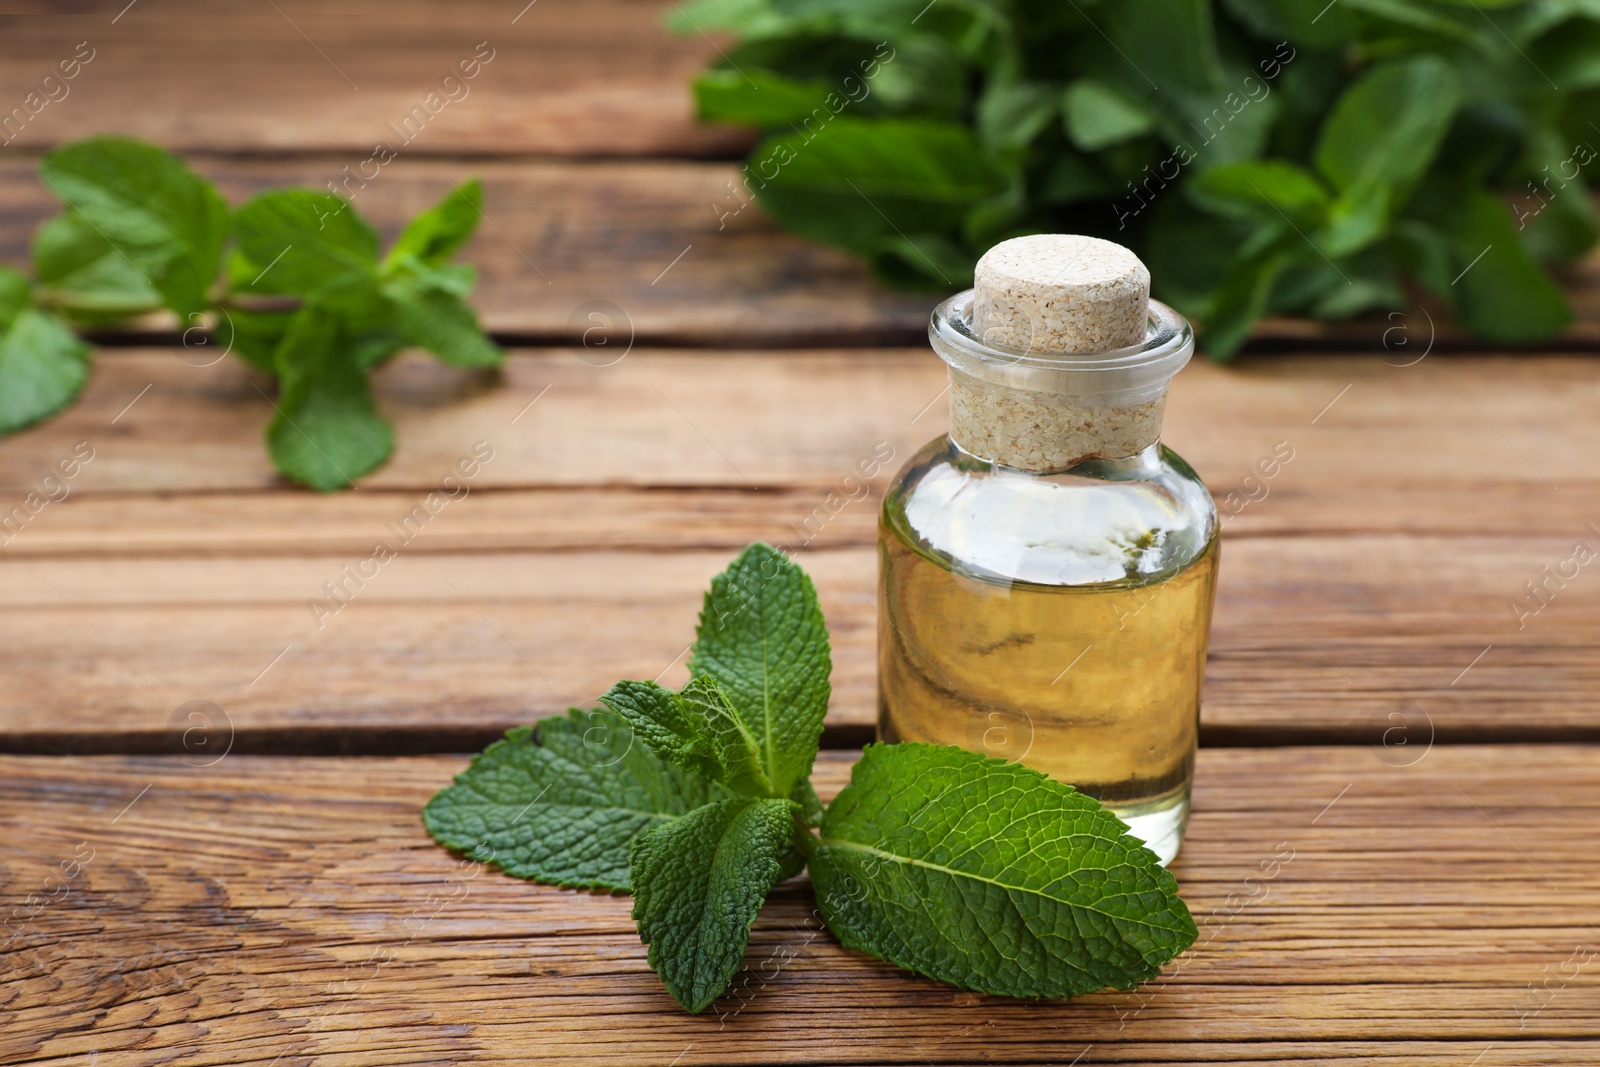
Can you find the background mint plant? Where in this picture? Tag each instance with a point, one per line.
(291, 282)
(1263, 156)
(983, 874)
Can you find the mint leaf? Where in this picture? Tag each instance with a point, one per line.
(14, 295)
(1501, 294)
(303, 242)
(697, 728)
(88, 279)
(992, 877)
(1278, 194)
(1095, 115)
(563, 805)
(1011, 115)
(810, 804)
(1242, 297)
(326, 432)
(253, 336)
(758, 97)
(432, 318)
(737, 754)
(167, 221)
(762, 636)
(861, 181)
(698, 883)
(1388, 125)
(433, 236)
(43, 365)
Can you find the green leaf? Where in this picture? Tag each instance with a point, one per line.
(1570, 55)
(1387, 126)
(698, 883)
(756, 97)
(697, 729)
(992, 877)
(1264, 191)
(304, 242)
(435, 235)
(809, 803)
(1563, 228)
(1501, 294)
(326, 432)
(1355, 220)
(43, 365)
(1189, 253)
(1419, 16)
(1241, 299)
(1010, 116)
(88, 278)
(1096, 115)
(1171, 42)
(167, 221)
(858, 181)
(753, 17)
(14, 295)
(435, 319)
(927, 262)
(1072, 177)
(565, 805)
(1557, 219)
(762, 636)
(1293, 20)
(253, 336)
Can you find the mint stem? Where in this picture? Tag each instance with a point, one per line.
(804, 841)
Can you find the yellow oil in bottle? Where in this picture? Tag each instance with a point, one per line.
(1097, 685)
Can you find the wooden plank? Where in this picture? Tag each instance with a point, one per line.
(294, 910)
(599, 78)
(667, 247)
(1460, 445)
(1315, 637)
(229, 523)
(239, 78)
(653, 239)
(1385, 559)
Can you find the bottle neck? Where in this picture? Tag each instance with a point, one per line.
(1141, 465)
(1048, 431)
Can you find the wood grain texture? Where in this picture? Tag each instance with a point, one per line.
(666, 246)
(1446, 446)
(1384, 558)
(285, 910)
(644, 236)
(1314, 638)
(603, 77)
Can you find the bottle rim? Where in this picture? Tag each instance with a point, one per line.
(1167, 346)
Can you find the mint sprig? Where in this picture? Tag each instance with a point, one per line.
(302, 295)
(697, 728)
(1264, 157)
(42, 364)
(983, 874)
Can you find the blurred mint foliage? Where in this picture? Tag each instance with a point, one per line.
(291, 283)
(1264, 157)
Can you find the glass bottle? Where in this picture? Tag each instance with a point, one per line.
(1047, 569)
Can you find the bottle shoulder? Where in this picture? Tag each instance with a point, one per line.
(1123, 522)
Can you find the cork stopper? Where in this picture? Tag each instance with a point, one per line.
(1060, 292)
(1053, 302)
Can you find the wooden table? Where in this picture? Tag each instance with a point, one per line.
(213, 800)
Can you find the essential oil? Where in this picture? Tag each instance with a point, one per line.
(1048, 569)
